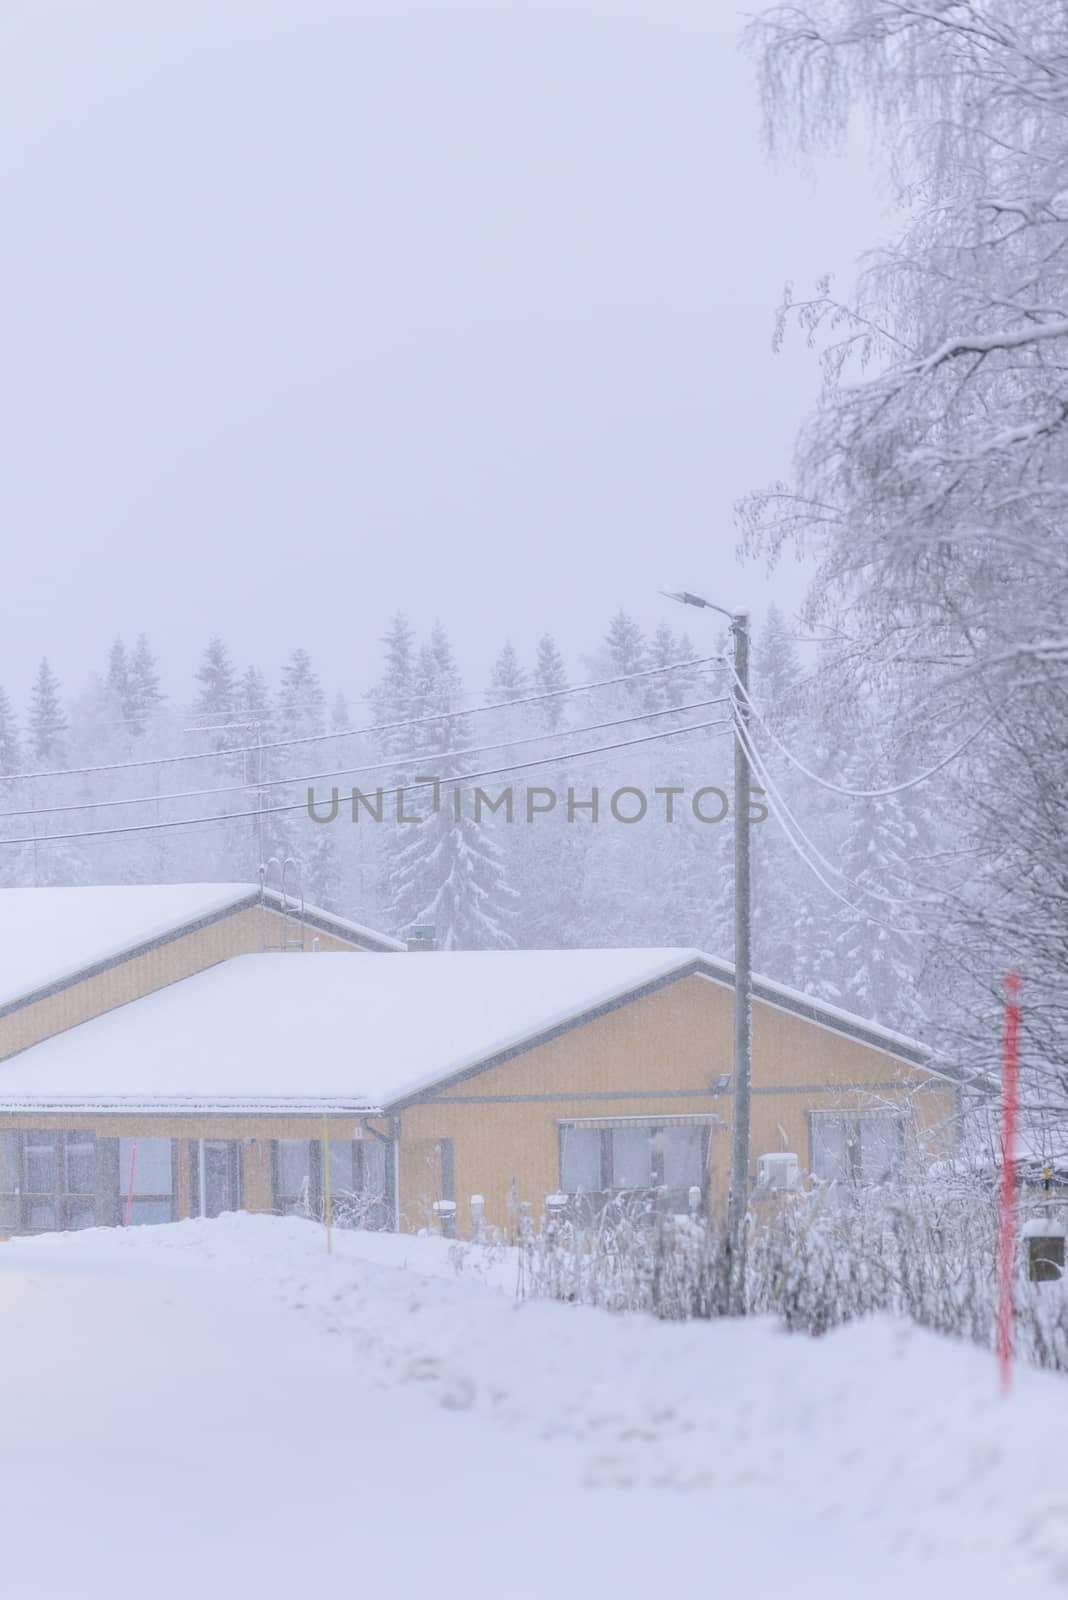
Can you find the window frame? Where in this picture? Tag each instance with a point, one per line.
(853, 1145)
(150, 1197)
(378, 1198)
(651, 1126)
(235, 1158)
(63, 1200)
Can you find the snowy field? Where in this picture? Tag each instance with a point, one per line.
(220, 1408)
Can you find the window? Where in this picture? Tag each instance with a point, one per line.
(631, 1155)
(368, 1204)
(375, 1172)
(216, 1173)
(10, 1184)
(580, 1160)
(293, 1170)
(40, 1163)
(40, 1200)
(47, 1180)
(79, 1159)
(863, 1149)
(669, 1157)
(344, 1166)
(151, 1163)
(79, 1180)
(358, 1180)
(684, 1153)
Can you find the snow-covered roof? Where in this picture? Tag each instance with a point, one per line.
(318, 1031)
(50, 936)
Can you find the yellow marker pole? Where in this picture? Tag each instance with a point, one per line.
(326, 1200)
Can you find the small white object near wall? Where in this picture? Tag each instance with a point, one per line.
(778, 1170)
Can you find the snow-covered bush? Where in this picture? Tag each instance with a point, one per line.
(926, 1251)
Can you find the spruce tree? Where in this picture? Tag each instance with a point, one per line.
(9, 738)
(796, 919)
(446, 870)
(675, 688)
(340, 716)
(626, 646)
(876, 964)
(301, 701)
(216, 699)
(776, 670)
(255, 727)
(784, 892)
(47, 720)
(118, 682)
(508, 681)
(302, 715)
(391, 697)
(253, 700)
(550, 676)
(228, 849)
(145, 692)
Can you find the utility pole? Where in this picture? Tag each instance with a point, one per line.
(738, 1198)
(738, 1203)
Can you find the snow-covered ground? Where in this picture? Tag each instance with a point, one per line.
(220, 1408)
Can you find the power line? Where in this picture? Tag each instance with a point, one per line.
(458, 781)
(352, 733)
(776, 794)
(859, 911)
(869, 794)
(401, 760)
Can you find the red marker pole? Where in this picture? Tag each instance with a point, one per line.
(129, 1196)
(1007, 1239)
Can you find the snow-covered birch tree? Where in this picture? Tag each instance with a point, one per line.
(931, 482)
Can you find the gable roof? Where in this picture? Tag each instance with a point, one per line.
(302, 1033)
(50, 938)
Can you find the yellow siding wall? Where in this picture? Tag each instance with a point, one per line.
(656, 1055)
(239, 933)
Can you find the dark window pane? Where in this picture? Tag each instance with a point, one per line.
(220, 1160)
(40, 1214)
(880, 1148)
(9, 1213)
(151, 1166)
(632, 1158)
(580, 1160)
(374, 1168)
(80, 1159)
(341, 1164)
(9, 1163)
(80, 1214)
(293, 1167)
(684, 1151)
(40, 1163)
(830, 1150)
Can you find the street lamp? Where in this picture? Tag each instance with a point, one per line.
(738, 1201)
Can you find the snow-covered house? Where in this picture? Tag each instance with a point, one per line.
(70, 954)
(510, 1075)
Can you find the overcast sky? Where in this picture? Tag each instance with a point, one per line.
(316, 310)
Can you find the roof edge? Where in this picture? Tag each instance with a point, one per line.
(325, 921)
(692, 963)
(189, 1106)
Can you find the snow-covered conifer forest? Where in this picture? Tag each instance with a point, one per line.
(99, 777)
